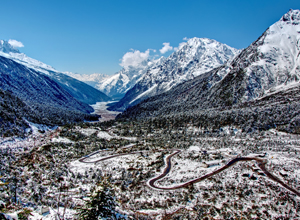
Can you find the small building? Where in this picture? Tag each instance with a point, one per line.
(42, 210)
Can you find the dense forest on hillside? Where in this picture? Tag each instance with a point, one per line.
(280, 110)
(15, 114)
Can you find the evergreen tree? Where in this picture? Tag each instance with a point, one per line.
(101, 203)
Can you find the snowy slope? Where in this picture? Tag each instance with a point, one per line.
(76, 88)
(279, 62)
(193, 58)
(8, 51)
(28, 95)
(270, 63)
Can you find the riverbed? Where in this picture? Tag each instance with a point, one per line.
(100, 108)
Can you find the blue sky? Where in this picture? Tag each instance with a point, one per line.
(92, 36)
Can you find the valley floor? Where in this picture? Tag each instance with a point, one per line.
(100, 108)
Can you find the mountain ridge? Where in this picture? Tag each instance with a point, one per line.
(193, 58)
(80, 90)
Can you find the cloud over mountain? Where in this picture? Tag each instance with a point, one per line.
(134, 58)
(15, 43)
(165, 48)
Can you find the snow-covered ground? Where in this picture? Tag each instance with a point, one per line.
(240, 185)
(188, 165)
(35, 139)
(51, 215)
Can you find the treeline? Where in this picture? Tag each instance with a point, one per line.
(280, 110)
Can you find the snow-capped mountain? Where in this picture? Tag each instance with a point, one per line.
(76, 88)
(262, 71)
(118, 84)
(90, 79)
(193, 58)
(270, 63)
(279, 55)
(8, 51)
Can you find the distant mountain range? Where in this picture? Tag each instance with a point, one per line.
(268, 68)
(118, 84)
(134, 84)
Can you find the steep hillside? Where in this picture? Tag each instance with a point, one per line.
(38, 98)
(79, 90)
(76, 88)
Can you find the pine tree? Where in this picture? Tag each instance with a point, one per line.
(101, 203)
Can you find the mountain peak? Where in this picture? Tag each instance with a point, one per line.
(291, 16)
(6, 47)
(195, 41)
(203, 45)
(202, 40)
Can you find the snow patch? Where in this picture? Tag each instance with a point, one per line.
(104, 135)
(88, 131)
(194, 148)
(36, 128)
(61, 140)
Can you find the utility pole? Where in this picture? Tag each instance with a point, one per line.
(15, 180)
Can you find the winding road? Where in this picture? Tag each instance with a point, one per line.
(260, 162)
(82, 160)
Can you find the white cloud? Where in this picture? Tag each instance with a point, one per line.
(15, 43)
(180, 45)
(166, 48)
(185, 38)
(134, 58)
